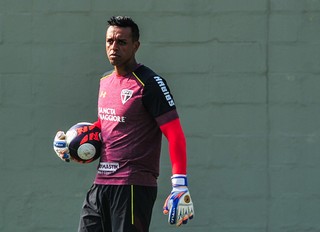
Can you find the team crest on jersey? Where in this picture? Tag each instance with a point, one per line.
(126, 94)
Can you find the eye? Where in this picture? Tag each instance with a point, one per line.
(122, 42)
(109, 41)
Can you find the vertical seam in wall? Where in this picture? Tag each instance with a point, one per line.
(268, 180)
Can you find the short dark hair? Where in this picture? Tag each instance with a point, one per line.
(125, 21)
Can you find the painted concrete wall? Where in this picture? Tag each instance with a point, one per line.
(245, 77)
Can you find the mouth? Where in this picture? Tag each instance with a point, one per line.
(113, 55)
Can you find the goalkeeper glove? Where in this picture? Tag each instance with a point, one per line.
(60, 146)
(178, 204)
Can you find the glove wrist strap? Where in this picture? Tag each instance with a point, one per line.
(59, 143)
(179, 180)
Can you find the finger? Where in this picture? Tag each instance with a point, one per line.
(61, 151)
(165, 206)
(179, 223)
(185, 219)
(61, 135)
(173, 218)
(65, 156)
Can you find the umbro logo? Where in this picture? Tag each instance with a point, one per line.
(126, 94)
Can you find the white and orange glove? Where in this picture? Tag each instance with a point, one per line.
(60, 146)
(178, 205)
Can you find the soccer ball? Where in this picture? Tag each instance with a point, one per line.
(83, 140)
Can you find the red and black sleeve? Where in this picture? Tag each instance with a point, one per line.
(159, 102)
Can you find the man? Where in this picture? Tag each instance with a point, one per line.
(135, 108)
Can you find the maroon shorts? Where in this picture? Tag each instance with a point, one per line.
(117, 208)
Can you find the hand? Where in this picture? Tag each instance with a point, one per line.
(60, 146)
(178, 204)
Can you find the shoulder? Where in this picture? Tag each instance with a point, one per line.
(106, 74)
(156, 92)
(144, 74)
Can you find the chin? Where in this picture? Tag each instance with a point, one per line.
(113, 62)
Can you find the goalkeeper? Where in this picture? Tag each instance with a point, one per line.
(135, 107)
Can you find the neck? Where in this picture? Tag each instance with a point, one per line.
(125, 69)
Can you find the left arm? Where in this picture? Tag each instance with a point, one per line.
(178, 204)
(159, 102)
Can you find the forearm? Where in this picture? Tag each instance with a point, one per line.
(97, 123)
(177, 145)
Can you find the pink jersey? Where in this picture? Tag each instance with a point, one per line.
(131, 108)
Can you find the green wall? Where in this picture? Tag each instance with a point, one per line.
(245, 77)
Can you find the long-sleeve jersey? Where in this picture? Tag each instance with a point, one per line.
(131, 110)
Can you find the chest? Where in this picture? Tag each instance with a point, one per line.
(120, 97)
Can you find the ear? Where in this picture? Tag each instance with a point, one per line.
(136, 45)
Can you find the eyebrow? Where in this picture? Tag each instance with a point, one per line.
(116, 38)
(121, 40)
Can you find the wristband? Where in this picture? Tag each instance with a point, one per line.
(179, 180)
(59, 143)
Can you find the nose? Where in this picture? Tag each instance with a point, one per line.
(114, 45)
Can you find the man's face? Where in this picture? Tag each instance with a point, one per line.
(120, 47)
